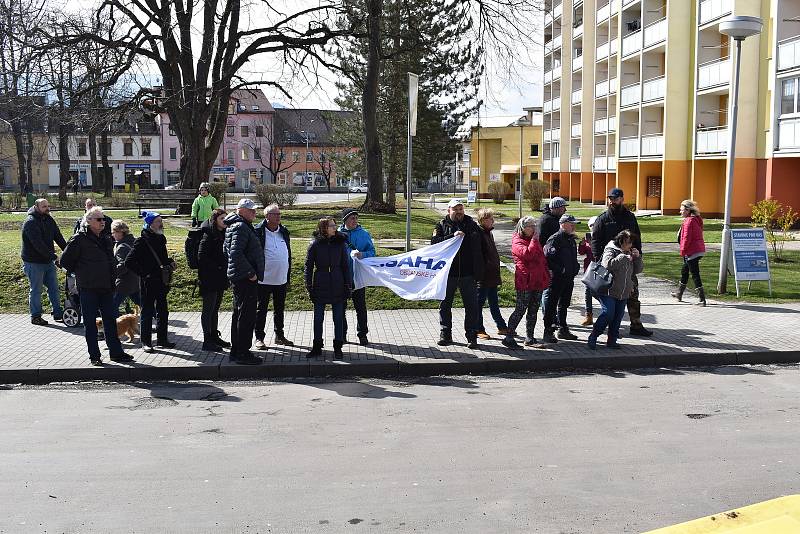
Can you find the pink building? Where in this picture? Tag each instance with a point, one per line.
(248, 137)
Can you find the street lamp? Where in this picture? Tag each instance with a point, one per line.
(306, 135)
(522, 122)
(737, 28)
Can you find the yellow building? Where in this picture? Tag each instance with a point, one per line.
(495, 150)
(636, 95)
(9, 169)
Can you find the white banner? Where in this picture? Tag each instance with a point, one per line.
(416, 275)
(413, 88)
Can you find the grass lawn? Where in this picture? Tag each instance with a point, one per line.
(785, 277)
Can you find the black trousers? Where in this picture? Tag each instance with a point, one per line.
(154, 301)
(243, 321)
(209, 319)
(469, 295)
(278, 294)
(360, 304)
(691, 266)
(558, 300)
(634, 305)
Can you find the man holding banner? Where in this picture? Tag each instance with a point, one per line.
(467, 266)
(359, 245)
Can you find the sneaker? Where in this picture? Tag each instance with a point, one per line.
(549, 337)
(613, 345)
(121, 358)
(592, 343)
(147, 347)
(280, 339)
(211, 347)
(639, 330)
(97, 362)
(444, 340)
(166, 344)
(249, 359)
(531, 341)
(509, 342)
(473, 344)
(260, 345)
(363, 340)
(58, 318)
(38, 321)
(484, 335)
(564, 333)
(222, 343)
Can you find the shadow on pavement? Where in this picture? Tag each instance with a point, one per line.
(186, 392)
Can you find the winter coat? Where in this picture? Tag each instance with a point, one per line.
(690, 236)
(608, 224)
(531, 266)
(141, 261)
(357, 239)
(261, 229)
(212, 270)
(106, 227)
(622, 268)
(491, 260)
(242, 247)
(585, 248)
(91, 258)
(561, 252)
(468, 260)
(327, 269)
(39, 231)
(127, 282)
(203, 206)
(548, 225)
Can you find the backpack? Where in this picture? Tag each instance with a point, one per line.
(191, 247)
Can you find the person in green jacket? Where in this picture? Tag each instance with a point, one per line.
(203, 205)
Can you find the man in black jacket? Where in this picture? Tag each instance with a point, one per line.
(89, 254)
(607, 225)
(38, 259)
(549, 221)
(467, 267)
(245, 269)
(561, 251)
(89, 204)
(274, 239)
(149, 259)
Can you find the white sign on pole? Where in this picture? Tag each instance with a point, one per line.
(413, 87)
(471, 196)
(475, 171)
(750, 259)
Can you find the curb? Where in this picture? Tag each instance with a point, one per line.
(391, 368)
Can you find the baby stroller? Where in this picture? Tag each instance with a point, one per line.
(72, 302)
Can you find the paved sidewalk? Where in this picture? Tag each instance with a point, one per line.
(404, 343)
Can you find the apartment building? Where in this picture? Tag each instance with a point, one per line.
(636, 95)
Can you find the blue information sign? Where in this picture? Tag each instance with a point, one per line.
(750, 260)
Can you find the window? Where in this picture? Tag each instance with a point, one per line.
(231, 108)
(789, 96)
(173, 153)
(231, 156)
(146, 149)
(309, 156)
(556, 185)
(82, 148)
(171, 130)
(281, 156)
(104, 150)
(322, 157)
(231, 131)
(556, 151)
(534, 176)
(259, 131)
(295, 156)
(245, 131)
(254, 177)
(257, 154)
(534, 151)
(256, 107)
(245, 153)
(127, 148)
(654, 186)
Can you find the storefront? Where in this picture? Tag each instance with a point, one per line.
(137, 176)
(224, 174)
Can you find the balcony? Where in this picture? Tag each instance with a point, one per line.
(557, 103)
(548, 18)
(653, 145)
(547, 136)
(599, 163)
(547, 107)
(575, 164)
(629, 95)
(614, 7)
(556, 133)
(714, 73)
(558, 10)
(613, 47)
(577, 63)
(655, 33)
(654, 89)
(547, 165)
(575, 130)
(601, 52)
(557, 72)
(600, 125)
(629, 147)
(626, 2)
(714, 9)
(603, 13)
(577, 31)
(789, 134)
(612, 86)
(612, 163)
(556, 164)
(712, 140)
(612, 124)
(557, 42)
(789, 53)
(632, 43)
(577, 96)
(601, 89)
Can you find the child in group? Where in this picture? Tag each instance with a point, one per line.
(585, 248)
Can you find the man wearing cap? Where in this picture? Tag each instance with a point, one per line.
(203, 204)
(561, 252)
(466, 268)
(274, 239)
(549, 221)
(148, 258)
(359, 244)
(607, 225)
(245, 268)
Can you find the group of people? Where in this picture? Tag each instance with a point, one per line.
(255, 262)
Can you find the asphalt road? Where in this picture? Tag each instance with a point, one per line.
(578, 453)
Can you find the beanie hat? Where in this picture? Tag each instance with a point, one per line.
(149, 217)
(348, 212)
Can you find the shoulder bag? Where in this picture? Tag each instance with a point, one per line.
(598, 279)
(166, 270)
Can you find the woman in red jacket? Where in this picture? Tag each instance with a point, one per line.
(530, 279)
(693, 247)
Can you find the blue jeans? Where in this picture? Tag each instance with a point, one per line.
(490, 293)
(338, 320)
(39, 274)
(610, 316)
(94, 303)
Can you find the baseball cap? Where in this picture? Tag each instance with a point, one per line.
(567, 218)
(557, 202)
(616, 193)
(455, 202)
(246, 203)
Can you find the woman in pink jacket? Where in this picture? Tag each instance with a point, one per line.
(530, 279)
(693, 247)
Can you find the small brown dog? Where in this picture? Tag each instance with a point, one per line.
(127, 324)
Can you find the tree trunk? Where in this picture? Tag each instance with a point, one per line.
(22, 167)
(96, 178)
(108, 173)
(194, 169)
(63, 160)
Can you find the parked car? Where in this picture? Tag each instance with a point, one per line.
(358, 188)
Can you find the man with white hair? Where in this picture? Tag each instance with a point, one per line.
(274, 239)
(89, 204)
(39, 231)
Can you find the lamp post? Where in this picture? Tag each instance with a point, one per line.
(737, 28)
(522, 122)
(305, 132)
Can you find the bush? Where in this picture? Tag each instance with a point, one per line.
(281, 195)
(499, 191)
(218, 190)
(770, 215)
(535, 191)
